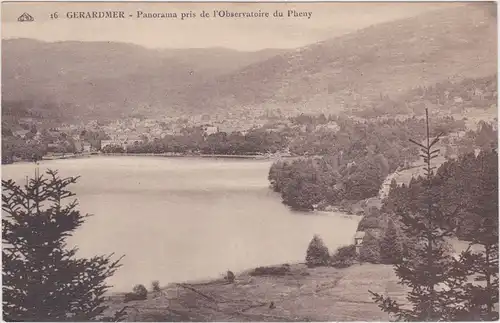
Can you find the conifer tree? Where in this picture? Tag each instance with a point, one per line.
(480, 299)
(43, 280)
(391, 246)
(370, 249)
(317, 253)
(427, 267)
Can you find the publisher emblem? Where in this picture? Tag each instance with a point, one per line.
(25, 17)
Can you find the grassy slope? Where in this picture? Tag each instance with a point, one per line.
(307, 294)
(326, 294)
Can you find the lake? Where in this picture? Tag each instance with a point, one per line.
(179, 219)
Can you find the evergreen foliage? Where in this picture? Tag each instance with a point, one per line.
(139, 293)
(481, 299)
(455, 182)
(428, 265)
(43, 280)
(230, 276)
(351, 169)
(113, 149)
(391, 245)
(373, 219)
(370, 249)
(317, 253)
(439, 283)
(155, 286)
(344, 257)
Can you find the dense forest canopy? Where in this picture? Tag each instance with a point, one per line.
(352, 163)
(457, 185)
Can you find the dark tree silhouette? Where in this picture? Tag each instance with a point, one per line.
(317, 253)
(480, 299)
(43, 280)
(391, 246)
(427, 266)
(370, 249)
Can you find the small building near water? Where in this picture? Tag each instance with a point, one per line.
(78, 146)
(358, 240)
(210, 130)
(86, 147)
(105, 143)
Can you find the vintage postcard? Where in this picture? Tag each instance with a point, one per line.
(258, 161)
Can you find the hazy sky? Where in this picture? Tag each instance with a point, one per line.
(327, 20)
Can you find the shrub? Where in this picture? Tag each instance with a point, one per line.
(140, 290)
(230, 276)
(368, 222)
(271, 271)
(139, 293)
(372, 220)
(113, 149)
(346, 206)
(155, 286)
(317, 253)
(370, 249)
(344, 257)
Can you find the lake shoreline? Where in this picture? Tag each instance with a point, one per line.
(164, 155)
(209, 280)
(213, 196)
(258, 157)
(329, 294)
(212, 279)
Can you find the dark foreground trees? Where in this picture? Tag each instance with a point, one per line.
(391, 245)
(43, 280)
(427, 267)
(480, 299)
(445, 287)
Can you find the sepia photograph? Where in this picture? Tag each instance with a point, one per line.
(249, 161)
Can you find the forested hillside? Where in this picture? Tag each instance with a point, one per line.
(457, 185)
(110, 80)
(452, 97)
(352, 163)
(353, 70)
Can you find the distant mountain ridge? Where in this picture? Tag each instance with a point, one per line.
(353, 69)
(109, 78)
(113, 79)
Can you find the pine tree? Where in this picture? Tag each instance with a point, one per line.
(427, 267)
(317, 253)
(42, 278)
(480, 299)
(370, 249)
(391, 246)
